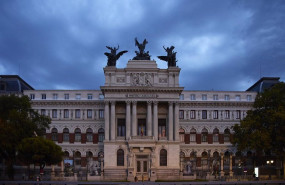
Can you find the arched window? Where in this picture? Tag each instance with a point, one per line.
(77, 158)
(216, 162)
(120, 157)
(204, 135)
(163, 157)
(77, 135)
(66, 155)
(227, 158)
(54, 134)
(192, 135)
(101, 135)
(100, 156)
(204, 159)
(89, 156)
(89, 135)
(65, 134)
(216, 135)
(227, 135)
(182, 161)
(181, 134)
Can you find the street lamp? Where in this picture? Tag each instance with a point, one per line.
(269, 162)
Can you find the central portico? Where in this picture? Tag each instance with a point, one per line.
(141, 121)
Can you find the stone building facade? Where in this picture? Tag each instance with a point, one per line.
(143, 125)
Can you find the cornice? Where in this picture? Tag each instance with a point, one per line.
(184, 104)
(66, 102)
(141, 89)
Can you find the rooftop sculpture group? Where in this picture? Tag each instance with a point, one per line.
(113, 56)
(141, 54)
(170, 58)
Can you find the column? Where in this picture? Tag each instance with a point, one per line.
(155, 120)
(222, 165)
(231, 165)
(176, 121)
(106, 116)
(170, 121)
(128, 119)
(134, 118)
(113, 119)
(149, 118)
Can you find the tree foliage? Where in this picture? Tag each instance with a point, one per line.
(263, 128)
(17, 122)
(37, 150)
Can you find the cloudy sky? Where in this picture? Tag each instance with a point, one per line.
(220, 44)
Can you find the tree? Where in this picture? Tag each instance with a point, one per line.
(17, 122)
(38, 150)
(263, 128)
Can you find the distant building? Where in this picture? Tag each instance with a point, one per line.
(264, 83)
(13, 84)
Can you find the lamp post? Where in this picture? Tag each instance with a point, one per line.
(269, 163)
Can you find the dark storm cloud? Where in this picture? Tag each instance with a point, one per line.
(221, 45)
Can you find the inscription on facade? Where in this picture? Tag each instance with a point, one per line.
(142, 95)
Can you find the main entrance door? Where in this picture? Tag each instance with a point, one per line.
(142, 167)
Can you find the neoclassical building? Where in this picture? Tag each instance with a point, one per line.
(142, 124)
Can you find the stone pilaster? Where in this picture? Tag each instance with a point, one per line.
(155, 120)
(170, 121)
(128, 119)
(149, 118)
(107, 122)
(134, 118)
(113, 120)
(176, 121)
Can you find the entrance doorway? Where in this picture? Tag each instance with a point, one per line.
(142, 166)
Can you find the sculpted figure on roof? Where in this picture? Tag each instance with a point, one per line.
(113, 56)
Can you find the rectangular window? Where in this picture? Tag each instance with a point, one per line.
(77, 113)
(101, 114)
(215, 97)
(204, 96)
(54, 96)
(192, 114)
(192, 137)
(32, 96)
(121, 127)
(89, 113)
(249, 98)
(237, 97)
(238, 114)
(192, 97)
(66, 113)
(54, 113)
(216, 114)
(227, 97)
(181, 97)
(2, 87)
(181, 114)
(227, 114)
(89, 96)
(161, 128)
(78, 96)
(44, 96)
(204, 114)
(66, 96)
(43, 112)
